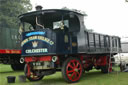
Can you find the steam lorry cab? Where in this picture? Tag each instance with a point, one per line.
(57, 40)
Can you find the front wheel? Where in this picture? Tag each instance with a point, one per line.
(32, 75)
(72, 70)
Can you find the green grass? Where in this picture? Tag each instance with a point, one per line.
(90, 78)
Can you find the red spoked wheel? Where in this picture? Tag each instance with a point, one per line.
(31, 74)
(72, 70)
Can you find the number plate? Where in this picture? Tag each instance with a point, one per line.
(37, 63)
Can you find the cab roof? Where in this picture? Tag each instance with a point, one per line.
(47, 11)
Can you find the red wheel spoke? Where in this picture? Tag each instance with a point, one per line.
(74, 64)
(70, 71)
(75, 74)
(70, 77)
(78, 73)
(69, 65)
(79, 68)
(77, 64)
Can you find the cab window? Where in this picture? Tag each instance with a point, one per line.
(60, 24)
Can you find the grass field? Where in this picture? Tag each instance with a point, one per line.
(90, 78)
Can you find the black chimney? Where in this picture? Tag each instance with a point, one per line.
(38, 7)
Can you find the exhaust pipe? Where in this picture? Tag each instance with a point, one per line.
(38, 7)
(22, 60)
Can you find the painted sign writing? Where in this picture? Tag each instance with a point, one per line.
(42, 38)
(41, 50)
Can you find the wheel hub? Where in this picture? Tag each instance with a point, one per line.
(76, 70)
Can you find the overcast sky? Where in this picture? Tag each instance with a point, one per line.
(104, 16)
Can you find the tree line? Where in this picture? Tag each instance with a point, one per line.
(10, 10)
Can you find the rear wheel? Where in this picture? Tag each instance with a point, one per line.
(72, 70)
(106, 69)
(31, 74)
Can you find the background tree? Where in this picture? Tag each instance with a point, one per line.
(10, 10)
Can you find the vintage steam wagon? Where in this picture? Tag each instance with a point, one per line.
(10, 52)
(57, 40)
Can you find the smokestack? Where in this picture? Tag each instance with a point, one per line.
(38, 7)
